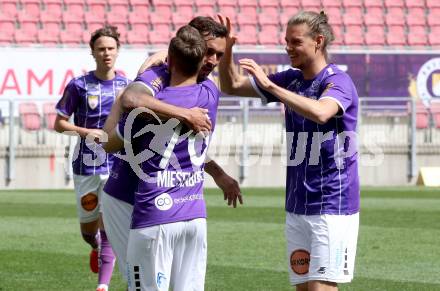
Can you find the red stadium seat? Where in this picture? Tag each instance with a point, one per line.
(289, 3)
(352, 3)
(417, 36)
(416, 16)
(313, 5)
(247, 35)
(375, 36)
(49, 114)
(433, 19)
(350, 19)
(47, 15)
(396, 36)
(120, 8)
(354, 36)
(248, 18)
(116, 18)
(31, 8)
(52, 8)
(140, 6)
(185, 10)
(288, 12)
(432, 4)
(222, 3)
(48, 37)
(415, 4)
(334, 16)
(29, 116)
(373, 18)
(180, 20)
(160, 17)
(268, 35)
(99, 7)
(394, 3)
(373, 3)
(9, 7)
(395, 17)
(269, 3)
(138, 38)
(338, 31)
(230, 11)
(422, 116)
(267, 19)
(29, 27)
(331, 3)
(75, 8)
(247, 3)
(7, 24)
(160, 37)
(206, 10)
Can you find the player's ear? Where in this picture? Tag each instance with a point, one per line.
(319, 42)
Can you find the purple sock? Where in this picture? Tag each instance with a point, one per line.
(106, 260)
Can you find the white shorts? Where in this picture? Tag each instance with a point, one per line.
(321, 247)
(88, 191)
(117, 218)
(168, 256)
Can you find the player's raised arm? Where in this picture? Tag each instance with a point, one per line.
(231, 81)
(137, 95)
(156, 59)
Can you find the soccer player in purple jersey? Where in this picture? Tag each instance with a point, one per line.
(167, 243)
(90, 98)
(322, 189)
(122, 183)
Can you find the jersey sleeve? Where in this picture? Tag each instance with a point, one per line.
(70, 100)
(281, 79)
(338, 87)
(154, 79)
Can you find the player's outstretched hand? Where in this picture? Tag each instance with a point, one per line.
(156, 59)
(231, 189)
(231, 38)
(198, 120)
(257, 72)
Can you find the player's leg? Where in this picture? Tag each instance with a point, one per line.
(333, 250)
(190, 256)
(149, 258)
(298, 250)
(86, 189)
(106, 255)
(117, 218)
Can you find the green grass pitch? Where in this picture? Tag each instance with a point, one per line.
(398, 248)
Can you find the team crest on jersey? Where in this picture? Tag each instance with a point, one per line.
(92, 100)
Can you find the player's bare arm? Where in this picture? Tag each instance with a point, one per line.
(156, 59)
(114, 116)
(114, 143)
(229, 186)
(231, 81)
(137, 95)
(319, 111)
(62, 125)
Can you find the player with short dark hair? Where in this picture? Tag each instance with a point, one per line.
(167, 242)
(90, 98)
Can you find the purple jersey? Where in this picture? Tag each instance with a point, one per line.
(322, 172)
(122, 182)
(175, 160)
(90, 100)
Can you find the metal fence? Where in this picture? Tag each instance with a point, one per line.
(245, 127)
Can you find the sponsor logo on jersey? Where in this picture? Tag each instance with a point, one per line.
(92, 100)
(89, 201)
(160, 279)
(299, 261)
(163, 202)
(322, 270)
